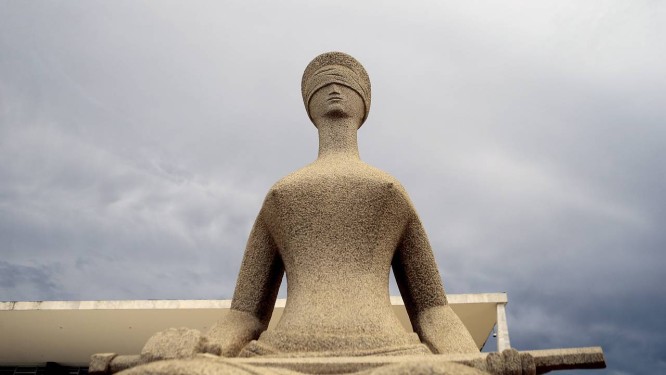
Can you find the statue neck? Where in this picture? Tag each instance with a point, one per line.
(337, 138)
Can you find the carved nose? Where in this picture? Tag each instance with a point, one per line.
(334, 89)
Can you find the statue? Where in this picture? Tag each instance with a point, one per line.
(336, 227)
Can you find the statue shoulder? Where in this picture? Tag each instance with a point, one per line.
(379, 175)
(397, 189)
(314, 177)
(297, 178)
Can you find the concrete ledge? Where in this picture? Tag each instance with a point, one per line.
(116, 305)
(68, 332)
(454, 299)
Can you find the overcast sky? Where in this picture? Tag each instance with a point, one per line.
(137, 141)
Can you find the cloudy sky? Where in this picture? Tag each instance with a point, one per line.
(138, 138)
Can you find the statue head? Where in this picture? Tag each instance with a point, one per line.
(339, 69)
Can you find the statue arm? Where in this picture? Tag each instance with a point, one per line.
(423, 293)
(254, 298)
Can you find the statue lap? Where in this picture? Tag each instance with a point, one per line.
(205, 366)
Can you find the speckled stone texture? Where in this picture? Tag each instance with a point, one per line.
(336, 227)
(173, 343)
(424, 369)
(220, 366)
(509, 361)
(204, 366)
(337, 67)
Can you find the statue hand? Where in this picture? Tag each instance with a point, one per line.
(226, 343)
(226, 338)
(174, 343)
(229, 335)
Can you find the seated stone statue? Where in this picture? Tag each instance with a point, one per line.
(336, 227)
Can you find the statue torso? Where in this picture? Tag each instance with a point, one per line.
(337, 225)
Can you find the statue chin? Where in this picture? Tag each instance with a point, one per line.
(337, 113)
